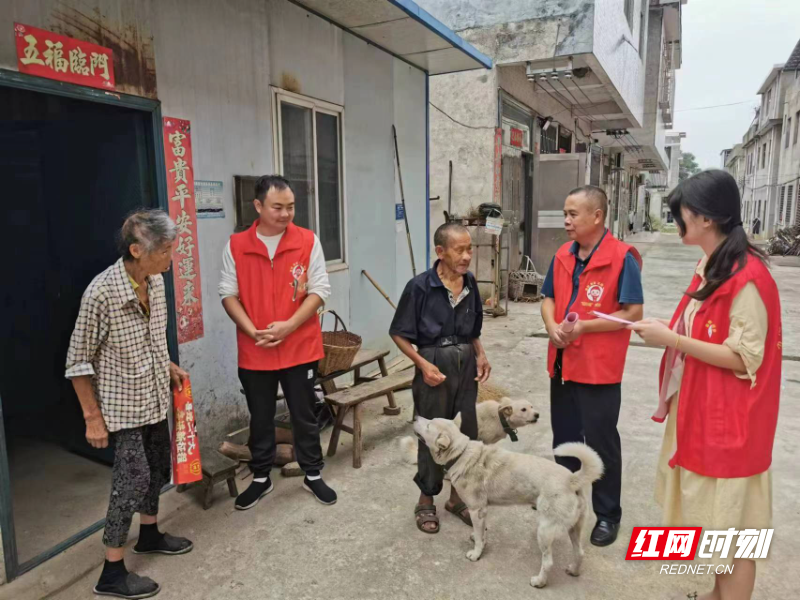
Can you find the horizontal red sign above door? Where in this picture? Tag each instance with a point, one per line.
(47, 54)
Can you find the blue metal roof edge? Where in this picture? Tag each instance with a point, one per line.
(419, 14)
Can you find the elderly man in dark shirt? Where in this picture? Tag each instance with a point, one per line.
(441, 313)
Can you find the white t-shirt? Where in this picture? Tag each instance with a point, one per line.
(317, 272)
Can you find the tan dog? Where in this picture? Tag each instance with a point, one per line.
(491, 414)
(485, 475)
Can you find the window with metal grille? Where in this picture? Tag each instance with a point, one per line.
(781, 202)
(787, 219)
(797, 207)
(564, 141)
(550, 140)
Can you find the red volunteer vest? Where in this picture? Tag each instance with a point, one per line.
(724, 428)
(597, 358)
(273, 291)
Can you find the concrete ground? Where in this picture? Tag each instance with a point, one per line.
(366, 546)
(79, 485)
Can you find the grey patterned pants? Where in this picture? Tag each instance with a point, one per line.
(142, 466)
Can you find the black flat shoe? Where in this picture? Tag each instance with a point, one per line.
(250, 497)
(132, 586)
(168, 544)
(604, 533)
(320, 490)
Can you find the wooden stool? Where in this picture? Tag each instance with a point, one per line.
(216, 467)
(349, 400)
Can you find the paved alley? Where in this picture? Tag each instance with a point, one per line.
(367, 545)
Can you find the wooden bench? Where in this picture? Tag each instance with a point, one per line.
(361, 360)
(349, 400)
(216, 467)
(328, 385)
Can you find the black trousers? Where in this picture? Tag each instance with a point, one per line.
(581, 412)
(261, 390)
(458, 393)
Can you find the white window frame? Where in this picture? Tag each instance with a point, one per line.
(317, 106)
(628, 8)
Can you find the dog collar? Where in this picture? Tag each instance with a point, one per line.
(451, 464)
(512, 433)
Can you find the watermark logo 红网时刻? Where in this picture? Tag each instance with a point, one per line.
(683, 543)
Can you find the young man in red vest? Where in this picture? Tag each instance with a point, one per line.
(594, 272)
(273, 282)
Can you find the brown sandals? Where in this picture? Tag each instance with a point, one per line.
(426, 513)
(458, 511)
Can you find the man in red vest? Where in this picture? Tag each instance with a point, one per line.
(273, 282)
(594, 272)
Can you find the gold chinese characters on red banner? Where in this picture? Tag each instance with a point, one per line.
(47, 54)
(186, 465)
(182, 209)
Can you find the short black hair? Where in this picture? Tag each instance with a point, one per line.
(266, 182)
(445, 232)
(595, 194)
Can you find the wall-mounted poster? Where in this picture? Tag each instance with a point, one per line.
(208, 199)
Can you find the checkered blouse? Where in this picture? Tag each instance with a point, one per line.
(123, 350)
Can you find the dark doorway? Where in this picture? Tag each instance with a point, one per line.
(72, 170)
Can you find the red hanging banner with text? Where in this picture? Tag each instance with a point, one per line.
(182, 209)
(186, 466)
(46, 54)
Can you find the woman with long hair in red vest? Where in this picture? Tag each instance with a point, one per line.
(719, 383)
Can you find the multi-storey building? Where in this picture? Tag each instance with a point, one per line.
(581, 91)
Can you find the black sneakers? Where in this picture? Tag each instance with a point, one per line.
(250, 497)
(320, 490)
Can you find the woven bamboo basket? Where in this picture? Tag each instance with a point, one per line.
(517, 280)
(340, 347)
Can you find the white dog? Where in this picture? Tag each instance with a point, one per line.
(485, 475)
(496, 420)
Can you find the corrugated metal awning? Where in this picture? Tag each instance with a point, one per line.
(402, 29)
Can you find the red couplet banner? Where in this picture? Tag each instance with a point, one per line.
(186, 467)
(182, 209)
(46, 54)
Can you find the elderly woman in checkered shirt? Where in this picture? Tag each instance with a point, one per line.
(120, 367)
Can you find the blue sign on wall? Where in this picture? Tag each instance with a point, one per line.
(399, 212)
